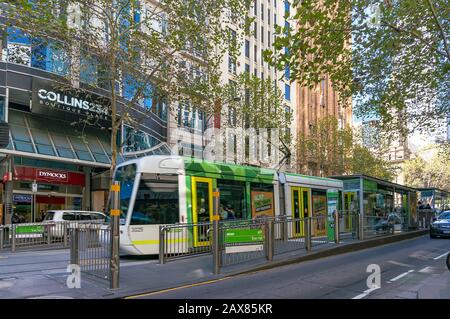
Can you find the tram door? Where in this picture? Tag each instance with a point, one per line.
(300, 209)
(202, 208)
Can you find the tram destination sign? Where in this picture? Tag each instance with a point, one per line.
(53, 100)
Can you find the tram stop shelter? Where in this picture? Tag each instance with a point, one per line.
(376, 199)
(438, 199)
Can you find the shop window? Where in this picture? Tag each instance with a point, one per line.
(232, 199)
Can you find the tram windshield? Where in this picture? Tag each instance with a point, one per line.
(156, 200)
(126, 176)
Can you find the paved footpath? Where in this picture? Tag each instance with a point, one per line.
(43, 274)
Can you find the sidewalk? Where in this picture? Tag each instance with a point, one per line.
(36, 280)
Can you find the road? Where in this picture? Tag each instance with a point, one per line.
(409, 269)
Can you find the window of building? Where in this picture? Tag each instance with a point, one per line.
(287, 7)
(262, 34)
(287, 92)
(287, 72)
(262, 12)
(247, 68)
(255, 8)
(247, 49)
(255, 30)
(269, 39)
(268, 16)
(231, 65)
(255, 53)
(88, 68)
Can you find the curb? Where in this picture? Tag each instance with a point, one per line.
(346, 248)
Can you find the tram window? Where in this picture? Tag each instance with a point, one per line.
(232, 199)
(156, 200)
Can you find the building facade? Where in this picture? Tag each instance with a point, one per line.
(312, 106)
(59, 153)
(266, 15)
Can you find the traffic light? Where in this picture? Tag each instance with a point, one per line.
(4, 134)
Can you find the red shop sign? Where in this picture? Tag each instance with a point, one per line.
(48, 176)
(51, 176)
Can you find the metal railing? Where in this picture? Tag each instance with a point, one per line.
(381, 226)
(44, 235)
(348, 225)
(244, 240)
(319, 225)
(289, 234)
(90, 249)
(184, 240)
(240, 241)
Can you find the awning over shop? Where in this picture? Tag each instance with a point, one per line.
(58, 140)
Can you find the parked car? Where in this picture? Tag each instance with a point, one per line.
(441, 226)
(57, 220)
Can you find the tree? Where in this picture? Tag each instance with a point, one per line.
(391, 57)
(423, 174)
(258, 104)
(326, 147)
(136, 54)
(335, 151)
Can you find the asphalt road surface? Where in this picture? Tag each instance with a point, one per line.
(406, 270)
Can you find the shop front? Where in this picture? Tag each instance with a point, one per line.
(37, 190)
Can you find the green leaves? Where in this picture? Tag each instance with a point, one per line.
(400, 64)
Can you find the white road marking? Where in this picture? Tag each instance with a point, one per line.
(443, 255)
(365, 293)
(426, 270)
(399, 264)
(401, 276)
